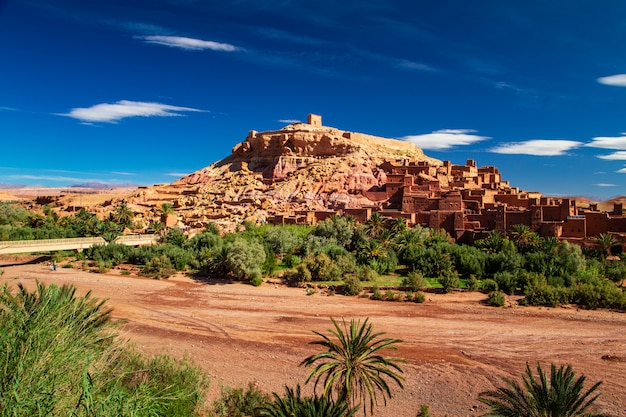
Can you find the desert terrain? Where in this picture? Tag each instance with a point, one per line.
(454, 345)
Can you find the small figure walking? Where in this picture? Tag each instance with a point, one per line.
(54, 266)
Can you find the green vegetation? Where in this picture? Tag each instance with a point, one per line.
(351, 367)
(347, 257)
(558, 395)
(60, 356)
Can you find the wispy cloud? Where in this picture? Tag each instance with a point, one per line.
(289, 121)
(609, 142)
(124, 173)
(113, 112)
(7, 109)
(54, 178)
(605, 185)
(177, 174)
(190, 44)
(537, 147)
(615, 156)
(415, 66)
(621, 171)
(618, 80)
(445, 139)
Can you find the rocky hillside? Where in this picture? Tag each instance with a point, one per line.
(302, 166)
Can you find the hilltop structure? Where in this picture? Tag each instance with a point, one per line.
(307, 172)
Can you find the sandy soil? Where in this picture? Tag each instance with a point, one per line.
(454, 345)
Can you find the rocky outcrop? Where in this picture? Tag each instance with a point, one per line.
(304, 166)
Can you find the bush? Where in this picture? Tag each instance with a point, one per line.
(352, 285)
(489, 285)
(496, 299)
(507, 281)
(419, 297)
(449, 281)
(414, 281)
(391, 295)
(471, 283)
(291, 260)
(102, 267)
(256, 281)
(366, 273)
(376, 294)
(158, 267)
(240, 403)
(60, 356)
(244, 258)
(546, 295)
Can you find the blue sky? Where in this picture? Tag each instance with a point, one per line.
(144, 92)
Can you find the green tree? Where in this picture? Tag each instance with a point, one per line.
(293, 404)
(122, 214)
(524, 238)
(351, 366)
(244, 258)
(166, 208)
(606, 241)
(558, 395)
(375, 225)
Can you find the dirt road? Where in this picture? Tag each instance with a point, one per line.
(455, 346)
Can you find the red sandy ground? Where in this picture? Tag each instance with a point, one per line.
(454, 345)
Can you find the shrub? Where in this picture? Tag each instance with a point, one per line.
(496, 299)
(376, 294)
(352, 285)
(449, 281)
(419, 297)
(366, 273)
(414, 281)
(507, 281)
(546, 295)
(489, 285)
(256, 281)
(244, 258)
(291, 260)
(239, 403)
(60, 356)
(390, 295)
(158, 267)
(471, 283)
(102, 267)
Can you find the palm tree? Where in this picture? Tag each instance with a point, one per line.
(375, 225)
(292, 404)
(560, 395)
(524, 238)
(122, 214)
(352, 367)
(606, 241)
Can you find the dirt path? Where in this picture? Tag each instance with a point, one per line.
(455, 346)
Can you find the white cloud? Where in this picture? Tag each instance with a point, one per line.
(605, 185)
(608, 142)
(445, 139)
(177, 174)
(621, 171)
(123, 173)
(289, 121)
(56, 178)
(107, 112)
(537, 147)
(618, 80)
(615, 156)
(190, 44)
(417, 66)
